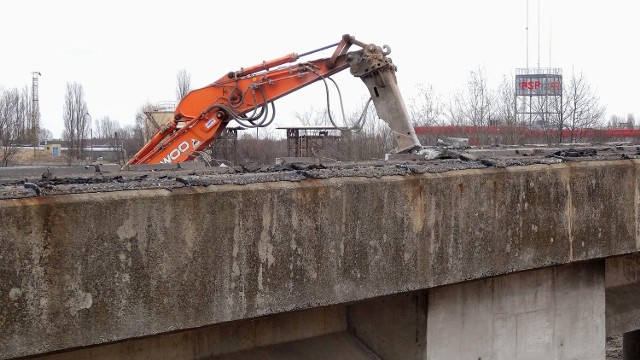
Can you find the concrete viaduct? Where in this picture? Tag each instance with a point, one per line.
(520, 262)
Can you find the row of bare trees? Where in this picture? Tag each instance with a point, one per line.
(76, 121)
(122, 140)
(479, 106)
(17, 125)
(620, 122)
(581, 107)
(78, 131)
(13, 117)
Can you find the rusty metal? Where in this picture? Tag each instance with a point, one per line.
(225, 148)
(308, 141)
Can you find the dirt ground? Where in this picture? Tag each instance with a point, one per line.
(27, 156)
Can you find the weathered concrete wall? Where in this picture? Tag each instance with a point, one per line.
(554, 313)
(89, 269)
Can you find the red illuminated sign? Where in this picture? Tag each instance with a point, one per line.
(539, 85)
(530, 85)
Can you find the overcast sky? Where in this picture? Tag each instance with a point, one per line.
(125, 53)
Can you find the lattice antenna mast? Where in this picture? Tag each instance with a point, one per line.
(527, 31)
(35, 101)
(539, 34)
(35, 111)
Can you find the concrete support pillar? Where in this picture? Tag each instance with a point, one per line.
(553, 313)
(631, 345)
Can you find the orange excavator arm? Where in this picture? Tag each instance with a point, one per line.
(245, 96)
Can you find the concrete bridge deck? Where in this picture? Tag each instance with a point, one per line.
(389, 262)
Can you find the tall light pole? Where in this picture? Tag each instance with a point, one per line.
(35, 111)
(90, 135)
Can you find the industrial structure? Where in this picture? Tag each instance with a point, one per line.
(157, 115)
(538, 97)
(308, 141)
(225, 148)
(35, 111)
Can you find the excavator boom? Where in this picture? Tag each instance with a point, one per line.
(244, 95)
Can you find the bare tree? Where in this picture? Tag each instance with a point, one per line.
(504, 108)
(479, 99)
(131, 138)
(455, 110)
(581, 108)
(123, 142)
(183, 84)
(427, 109)
(264, 150)
(24, 131)
(371, 141)
(505, 114)
(76, 121)
(12, 119)
(45, 134)
(615, 121)
(145, 120)
(312, 117)
(631, 121)
(106, 128)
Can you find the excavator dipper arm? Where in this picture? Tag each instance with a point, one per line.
(244, 95)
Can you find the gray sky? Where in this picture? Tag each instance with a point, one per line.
(127, 52)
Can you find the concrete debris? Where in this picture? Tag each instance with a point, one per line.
(576, 152)
(468, 157)
(528, 152)
(307, 166)
(494, 163)
(34, 189)
(454, 142)
(429, 153)
(183, 181)
(47, 175)
(250, 166)
(23, 183)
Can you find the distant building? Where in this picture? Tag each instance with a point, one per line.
(156, 116)
(53, 149)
